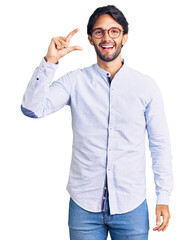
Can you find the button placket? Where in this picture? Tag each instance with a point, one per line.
(111, 113)
(110, 129)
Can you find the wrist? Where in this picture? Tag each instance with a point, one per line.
(51, 60)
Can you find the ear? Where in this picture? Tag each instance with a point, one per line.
(125, 37)
(90, 40)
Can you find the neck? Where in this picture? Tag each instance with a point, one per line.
(111, 67)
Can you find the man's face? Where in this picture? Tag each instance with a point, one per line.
(106, 22)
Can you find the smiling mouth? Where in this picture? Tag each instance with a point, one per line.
(107, 48)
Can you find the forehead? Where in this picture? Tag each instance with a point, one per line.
(106, 21)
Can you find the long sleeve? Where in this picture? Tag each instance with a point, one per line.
(160, 147)
(41, 97)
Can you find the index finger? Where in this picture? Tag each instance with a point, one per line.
(164, 224)
(71, 34)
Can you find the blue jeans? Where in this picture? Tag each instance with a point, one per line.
(85, 225)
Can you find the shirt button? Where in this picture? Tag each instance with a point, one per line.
(109, 149)
(111, 106)
(103, 197)
(105, 187)
(108, 169)
(42, 65)
(110, 128)
(112, 88)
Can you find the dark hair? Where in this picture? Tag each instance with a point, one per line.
(113, 12)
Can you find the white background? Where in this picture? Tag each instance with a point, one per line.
(35, 154)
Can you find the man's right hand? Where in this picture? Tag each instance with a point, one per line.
(59, 47)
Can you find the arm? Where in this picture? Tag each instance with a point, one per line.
(159, 144)
(41, 98)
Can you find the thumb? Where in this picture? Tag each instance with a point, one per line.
(70, 49)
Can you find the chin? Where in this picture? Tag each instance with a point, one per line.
(108, 58)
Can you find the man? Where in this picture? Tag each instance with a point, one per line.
(112, 107)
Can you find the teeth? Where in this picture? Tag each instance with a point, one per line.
(107, 46)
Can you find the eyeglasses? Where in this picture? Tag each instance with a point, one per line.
(113, 32)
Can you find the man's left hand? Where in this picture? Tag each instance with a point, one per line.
(162, 210)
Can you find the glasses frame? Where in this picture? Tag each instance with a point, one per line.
(104, 30)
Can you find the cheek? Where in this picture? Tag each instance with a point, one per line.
(96, 43)
(119, 44)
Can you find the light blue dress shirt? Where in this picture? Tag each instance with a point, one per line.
(109, 123)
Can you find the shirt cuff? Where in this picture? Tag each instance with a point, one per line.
(163, 199)
(47, 65)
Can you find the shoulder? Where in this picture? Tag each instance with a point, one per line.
(139, 76)
(143, 80)
(80, 71)
(71, 78)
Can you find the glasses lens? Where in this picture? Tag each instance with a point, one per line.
(98, 33)
(114, 32)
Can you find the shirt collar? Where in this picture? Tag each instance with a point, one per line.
(106, 74)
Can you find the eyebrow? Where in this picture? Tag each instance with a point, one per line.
(104, 28)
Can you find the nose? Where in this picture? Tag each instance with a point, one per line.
(106, 36)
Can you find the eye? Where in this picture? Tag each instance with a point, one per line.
(114, 31)
(98, 31)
